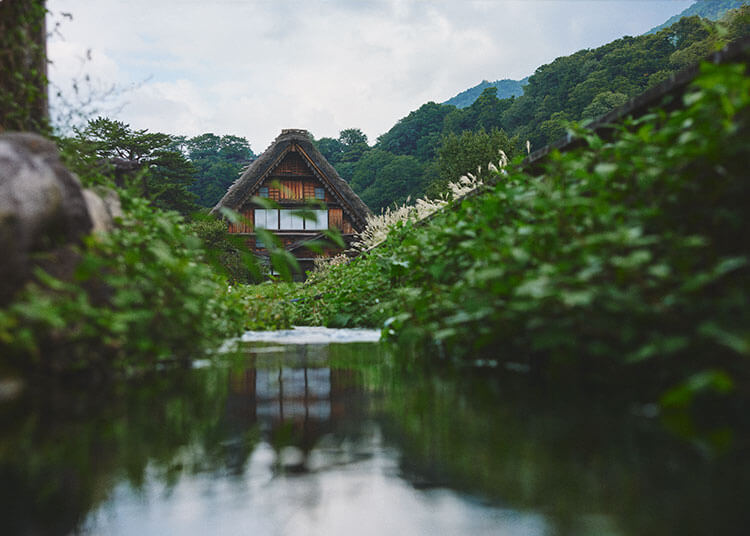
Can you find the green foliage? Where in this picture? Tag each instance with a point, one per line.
(416, 134)
(218, 161)
(354, 144)
(486, 112)
(268, 305)
(331, 149)
(707, 9)
(343, 153)
(404, 162)
(364, 301)
(582, 86)
(572, 83)
(227, 254)
(23, 67)
(396, 178)
(625, 258)
(604, 102)
(471, 151)
(157, 171)
(141, 295)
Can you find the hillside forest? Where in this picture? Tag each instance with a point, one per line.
(412, 158)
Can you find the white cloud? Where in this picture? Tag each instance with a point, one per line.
(251, 68)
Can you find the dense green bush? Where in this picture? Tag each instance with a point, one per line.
(140, 294)
(228, 255)
(629, 255)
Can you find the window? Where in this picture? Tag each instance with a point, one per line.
(263, 192)
(289, 220)
(266, 218)
(319, 223)
(320, 193)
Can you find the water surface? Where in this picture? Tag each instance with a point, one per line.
(305, 433)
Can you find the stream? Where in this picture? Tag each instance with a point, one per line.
(329, 432)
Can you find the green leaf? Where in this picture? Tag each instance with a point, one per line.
(264, 202)
(682, 395)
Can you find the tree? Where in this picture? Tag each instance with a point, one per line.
(352, 136)
(218, 161)
(23, 66)
(404, 138)
(603, 103)
(367, 169)
(169, 177)
(583, 85)
(470, 151)
(162, 174)
(353, 143)
(332, 149)
(400, 178)
(556, 126)
(114, 139)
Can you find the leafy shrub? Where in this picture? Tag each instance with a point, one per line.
(268, 305)
(140, 295)
(629, 255)
(227, 255)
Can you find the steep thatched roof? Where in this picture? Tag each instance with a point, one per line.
(299, 141)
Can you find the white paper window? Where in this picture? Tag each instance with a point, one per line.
(291, 221)
(319, 223)
(266, 218)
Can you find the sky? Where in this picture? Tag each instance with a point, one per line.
(253, 67)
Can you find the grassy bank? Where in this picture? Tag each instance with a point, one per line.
(627, 257)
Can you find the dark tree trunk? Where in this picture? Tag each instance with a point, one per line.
(23, 66)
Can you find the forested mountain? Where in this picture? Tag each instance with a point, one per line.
(412, 158)
(505, 89)
(707, 9)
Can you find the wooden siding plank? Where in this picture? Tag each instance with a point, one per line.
(291, 190)
(243, 226)
(335, 218)
(309, 190)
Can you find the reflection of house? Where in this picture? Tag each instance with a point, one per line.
(295, 176)
(312, 400)
(293, 394)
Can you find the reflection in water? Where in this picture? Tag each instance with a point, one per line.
(336, 439)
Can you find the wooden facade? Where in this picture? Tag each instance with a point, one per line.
(307, 198)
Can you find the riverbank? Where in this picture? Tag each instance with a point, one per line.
(625, 261)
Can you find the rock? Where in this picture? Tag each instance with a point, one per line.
(42, 206)
(103, 207)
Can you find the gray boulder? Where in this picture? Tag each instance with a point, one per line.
(104, 207)
(42, 206)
